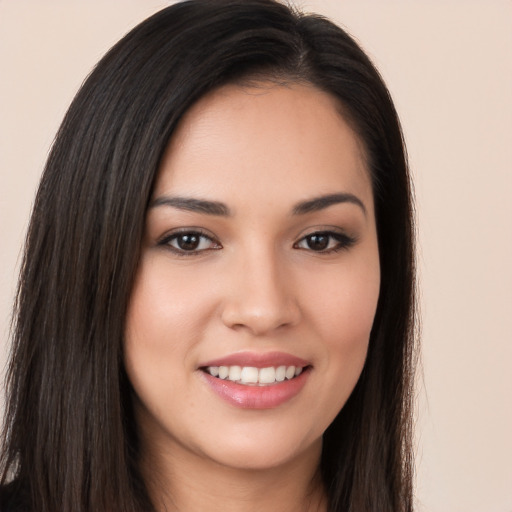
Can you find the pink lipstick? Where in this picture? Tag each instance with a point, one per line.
(256, 381)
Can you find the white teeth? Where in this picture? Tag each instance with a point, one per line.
(280, 373)
(252, 375)
(223, 372)
(235, 373)
(248, 375)
(267, 375)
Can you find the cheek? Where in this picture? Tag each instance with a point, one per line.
(164, 303)
(166, 317)
(344, 300)
(342, 313)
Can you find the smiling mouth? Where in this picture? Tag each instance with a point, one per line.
(252, 376)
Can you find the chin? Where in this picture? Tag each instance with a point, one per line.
(246, 454)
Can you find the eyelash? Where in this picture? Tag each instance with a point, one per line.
(197, 233)
(343, 242)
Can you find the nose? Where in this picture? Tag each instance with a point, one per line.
(260, 297)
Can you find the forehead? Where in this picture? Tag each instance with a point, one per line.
(251, 140)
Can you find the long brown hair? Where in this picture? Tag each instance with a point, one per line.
(69, 442)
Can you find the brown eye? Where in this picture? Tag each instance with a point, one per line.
(189, 242)
(318, 241)
(325, 241)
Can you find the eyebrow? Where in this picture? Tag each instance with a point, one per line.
(322, 202)
(193, 205)
(220, 209)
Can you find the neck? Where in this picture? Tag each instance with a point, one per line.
(184, 482)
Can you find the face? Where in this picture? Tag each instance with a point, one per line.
(249, 320)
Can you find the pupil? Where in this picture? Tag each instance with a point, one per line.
(188, 242)
(318, 242)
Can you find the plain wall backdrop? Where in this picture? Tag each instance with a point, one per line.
(448, 65)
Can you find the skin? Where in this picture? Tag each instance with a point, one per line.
(256, 283)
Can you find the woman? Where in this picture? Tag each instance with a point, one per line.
(216, 302)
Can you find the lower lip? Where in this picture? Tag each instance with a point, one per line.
(257, 397)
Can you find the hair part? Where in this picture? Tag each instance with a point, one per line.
(70, 441)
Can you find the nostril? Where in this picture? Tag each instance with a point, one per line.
(258, 320)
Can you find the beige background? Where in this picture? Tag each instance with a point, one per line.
(448, 65)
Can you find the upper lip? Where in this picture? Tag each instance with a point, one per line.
(257, 360)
